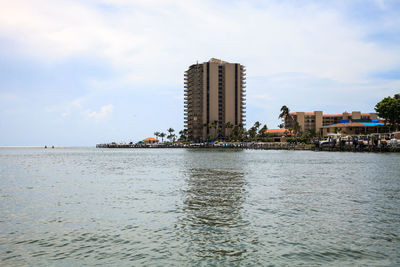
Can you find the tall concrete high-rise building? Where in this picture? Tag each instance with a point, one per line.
(214, 99)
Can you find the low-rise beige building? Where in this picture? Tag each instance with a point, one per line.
(349, 127)
(278, 135)
(315, 121)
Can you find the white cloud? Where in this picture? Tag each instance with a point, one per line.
(104, 112)
(148, 39)
(77, 107)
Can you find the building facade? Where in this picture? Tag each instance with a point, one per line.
(214, 99)
(315, 121)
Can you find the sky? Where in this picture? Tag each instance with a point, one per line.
(78, 73)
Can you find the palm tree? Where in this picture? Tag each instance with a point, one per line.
(256, 125)
(238, 131)
(287, 118)
(228, 125)
(220, 132)
(215, 125)
(172, 137)
(235, 132)
(284, 112)
(263, 131)
(157, 134)
(183, 134)
(252, 132)
(162, 135)
(170, 130)
(296, 128)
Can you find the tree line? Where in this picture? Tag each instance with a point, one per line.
(257, 132)
(389, 110)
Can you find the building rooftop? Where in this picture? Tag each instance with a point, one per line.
(276, 130)
(330, 115)
(216, 60)
(150, 139)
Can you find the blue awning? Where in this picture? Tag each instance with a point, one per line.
(371, 124)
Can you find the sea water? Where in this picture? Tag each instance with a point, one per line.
(198, 207)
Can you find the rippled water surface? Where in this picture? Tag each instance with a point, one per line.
(177, 207)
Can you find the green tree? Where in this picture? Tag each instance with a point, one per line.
(207, 127)
(308, 136)
(162, 135)
(389, 110)
(157, 134)
(252, 133)
(183, 135)
(170, 131)
(296, 128)
(214, 125)
(262, 133)
(235, 132)
(286, 118)
(219, 132)
(228, 126)
(172, 137)
(284, 112)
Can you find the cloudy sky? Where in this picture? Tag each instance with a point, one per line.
(85, 72)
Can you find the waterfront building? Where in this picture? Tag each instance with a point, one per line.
(316, 121)
(214, 99)
(356, 127)
(150, 140)
(278, 135)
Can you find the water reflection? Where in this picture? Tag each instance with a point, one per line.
(214, 223)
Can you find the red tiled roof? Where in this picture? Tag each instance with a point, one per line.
(150, 139)
(329, 115)
(276, 130)
(305, 113)
(333, 115)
